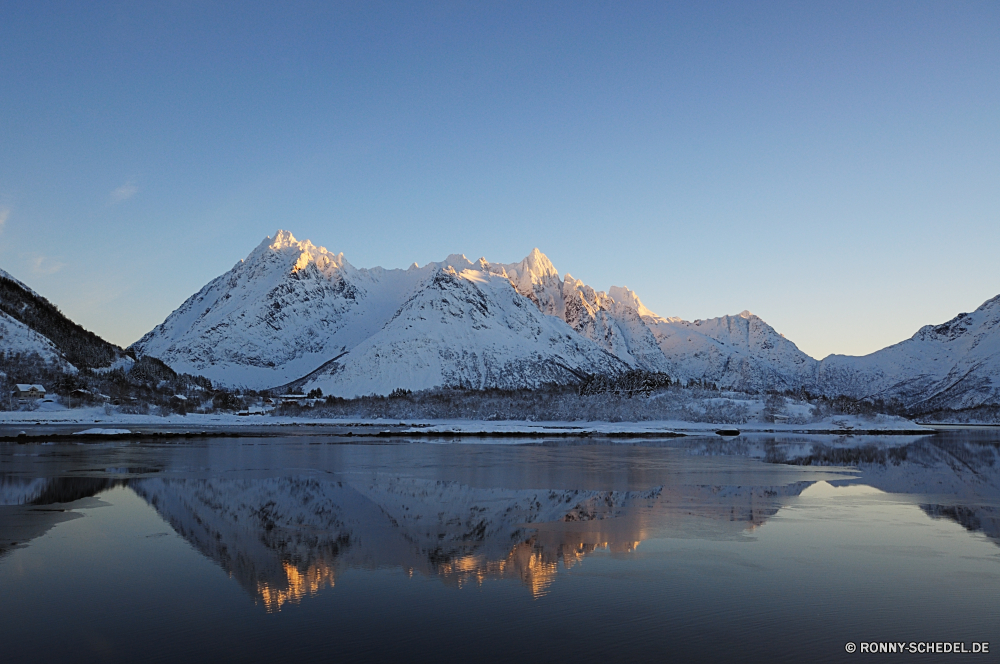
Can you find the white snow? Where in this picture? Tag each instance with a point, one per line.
(16, 337)
(291, 310)
(295, 312)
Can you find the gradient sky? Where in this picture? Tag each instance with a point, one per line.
(833, 168)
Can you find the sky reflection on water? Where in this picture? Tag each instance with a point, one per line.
(762, 548)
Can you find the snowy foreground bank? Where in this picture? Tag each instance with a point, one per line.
(99, 421)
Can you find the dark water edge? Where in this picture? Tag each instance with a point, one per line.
(757, 548)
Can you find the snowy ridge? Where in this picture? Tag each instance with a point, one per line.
(292, 311)
(16, 337)
(739, 352)
(7, 275)
(296, 315)
(952, 365)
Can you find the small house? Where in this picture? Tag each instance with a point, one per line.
(27, 391)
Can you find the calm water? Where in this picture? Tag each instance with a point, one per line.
(747, 549)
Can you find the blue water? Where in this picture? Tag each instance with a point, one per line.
(313, 549)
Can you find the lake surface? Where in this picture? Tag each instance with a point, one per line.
(759, 548)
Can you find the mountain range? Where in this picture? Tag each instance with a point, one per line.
(294, 315)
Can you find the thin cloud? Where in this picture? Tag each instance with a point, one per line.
(4, 214)
(124, 192)
(46, 265)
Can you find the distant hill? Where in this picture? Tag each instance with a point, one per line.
(30, 323)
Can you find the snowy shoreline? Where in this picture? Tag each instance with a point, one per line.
(96, 423)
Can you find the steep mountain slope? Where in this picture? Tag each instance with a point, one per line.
(740, 352)
(18, 338)
(953, 365)
(296, 313)
(613, 324)
(29, 322)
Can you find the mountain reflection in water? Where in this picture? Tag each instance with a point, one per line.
(288, 537)
(285, 538)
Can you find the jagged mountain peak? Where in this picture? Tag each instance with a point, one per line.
(534, 272)
(292, 255)
(539, 265)
(629, 298)
(457, 261)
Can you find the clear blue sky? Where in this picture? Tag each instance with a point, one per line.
(834, 168)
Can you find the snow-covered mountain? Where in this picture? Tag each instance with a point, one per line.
(952, 365)
(31, 324)
(612, 321)
(295, 314)
(740, 352)
(18, 338)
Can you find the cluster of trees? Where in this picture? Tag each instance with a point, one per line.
(845, 405)
(978, 414)
(551, 403)
(628, 384)
(632, 396)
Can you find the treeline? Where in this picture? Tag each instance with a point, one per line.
(631, 396)
(628, 384)
(550, 403)
(82, 348)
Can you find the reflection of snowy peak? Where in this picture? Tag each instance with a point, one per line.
(284, 538)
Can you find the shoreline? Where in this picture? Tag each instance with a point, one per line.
(24, 430)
